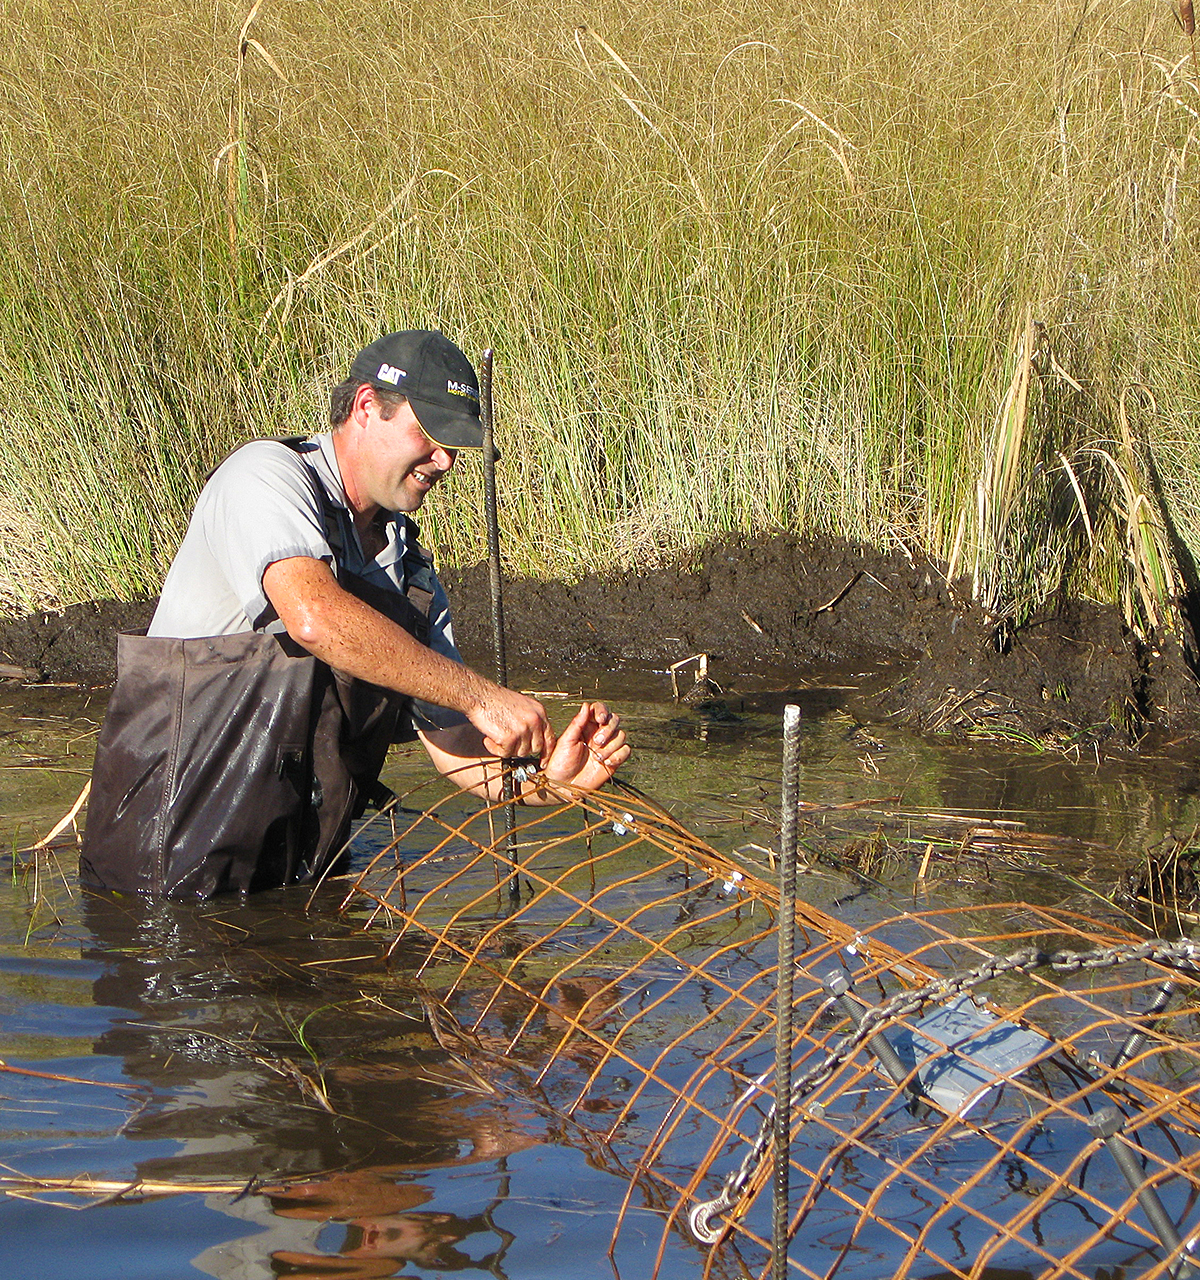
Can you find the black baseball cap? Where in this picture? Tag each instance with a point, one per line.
(435, 376)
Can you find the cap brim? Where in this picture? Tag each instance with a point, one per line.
(450, 430)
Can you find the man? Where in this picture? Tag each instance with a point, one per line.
(302, 629)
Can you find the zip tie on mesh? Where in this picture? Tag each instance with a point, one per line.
(703, 1217)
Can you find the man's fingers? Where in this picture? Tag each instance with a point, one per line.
(517, 747)
(608, 727)
(577, 729)
(608, 751)
(514, 745)
(513, 724)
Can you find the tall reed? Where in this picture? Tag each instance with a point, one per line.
(746, 268)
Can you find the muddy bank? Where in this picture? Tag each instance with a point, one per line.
(813, 606)
(795, 608)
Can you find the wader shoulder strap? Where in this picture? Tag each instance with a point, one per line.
(416, 563)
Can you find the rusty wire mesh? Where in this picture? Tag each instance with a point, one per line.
(628, 995)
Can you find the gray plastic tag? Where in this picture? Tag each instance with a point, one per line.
(964, 1051)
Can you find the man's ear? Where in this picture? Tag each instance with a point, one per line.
(360, 407)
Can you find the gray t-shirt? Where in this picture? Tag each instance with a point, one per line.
(259, 507)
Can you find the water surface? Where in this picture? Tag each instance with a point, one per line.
(237, 1044)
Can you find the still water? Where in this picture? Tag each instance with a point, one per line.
(240, 1045)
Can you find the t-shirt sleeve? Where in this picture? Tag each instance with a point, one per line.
(261, 505)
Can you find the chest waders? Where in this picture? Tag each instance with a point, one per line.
(237, 763)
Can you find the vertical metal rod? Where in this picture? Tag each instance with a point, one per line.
(487, 424)
(784, 986)
(1135, 1041)
(1107, 1125)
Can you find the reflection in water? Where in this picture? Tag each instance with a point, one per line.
(230, 1009)
(275, 1044)
(373, 1247)
(990, 1273)
(380, 1231)
(375, 1242)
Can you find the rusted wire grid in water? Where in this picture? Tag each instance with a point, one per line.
(649, 827)
(673, 845)
(1156, 1107)
(662, 970)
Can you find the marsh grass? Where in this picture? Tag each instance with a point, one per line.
(745, 268)
(1165, 888)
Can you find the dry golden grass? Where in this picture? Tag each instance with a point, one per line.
(744, 268)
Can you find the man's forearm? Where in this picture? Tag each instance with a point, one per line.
(348, 634)
(341, 630)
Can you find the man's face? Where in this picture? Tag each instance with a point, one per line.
(400, 463)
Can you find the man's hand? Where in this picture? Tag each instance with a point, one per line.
(592, 748)
(512, 724)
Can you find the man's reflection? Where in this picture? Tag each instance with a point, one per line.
(276, 1045)
(220, 1010)
(382, 1232)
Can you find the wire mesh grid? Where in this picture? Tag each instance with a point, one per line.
(628, 994)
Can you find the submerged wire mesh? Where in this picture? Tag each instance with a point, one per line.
(628, 994)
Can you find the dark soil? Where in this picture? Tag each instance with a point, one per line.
(76, 646)
(774, 608)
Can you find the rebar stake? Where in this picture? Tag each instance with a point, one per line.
(1107, 1125)
(784, 986)
(487, 424)
(837, 986)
